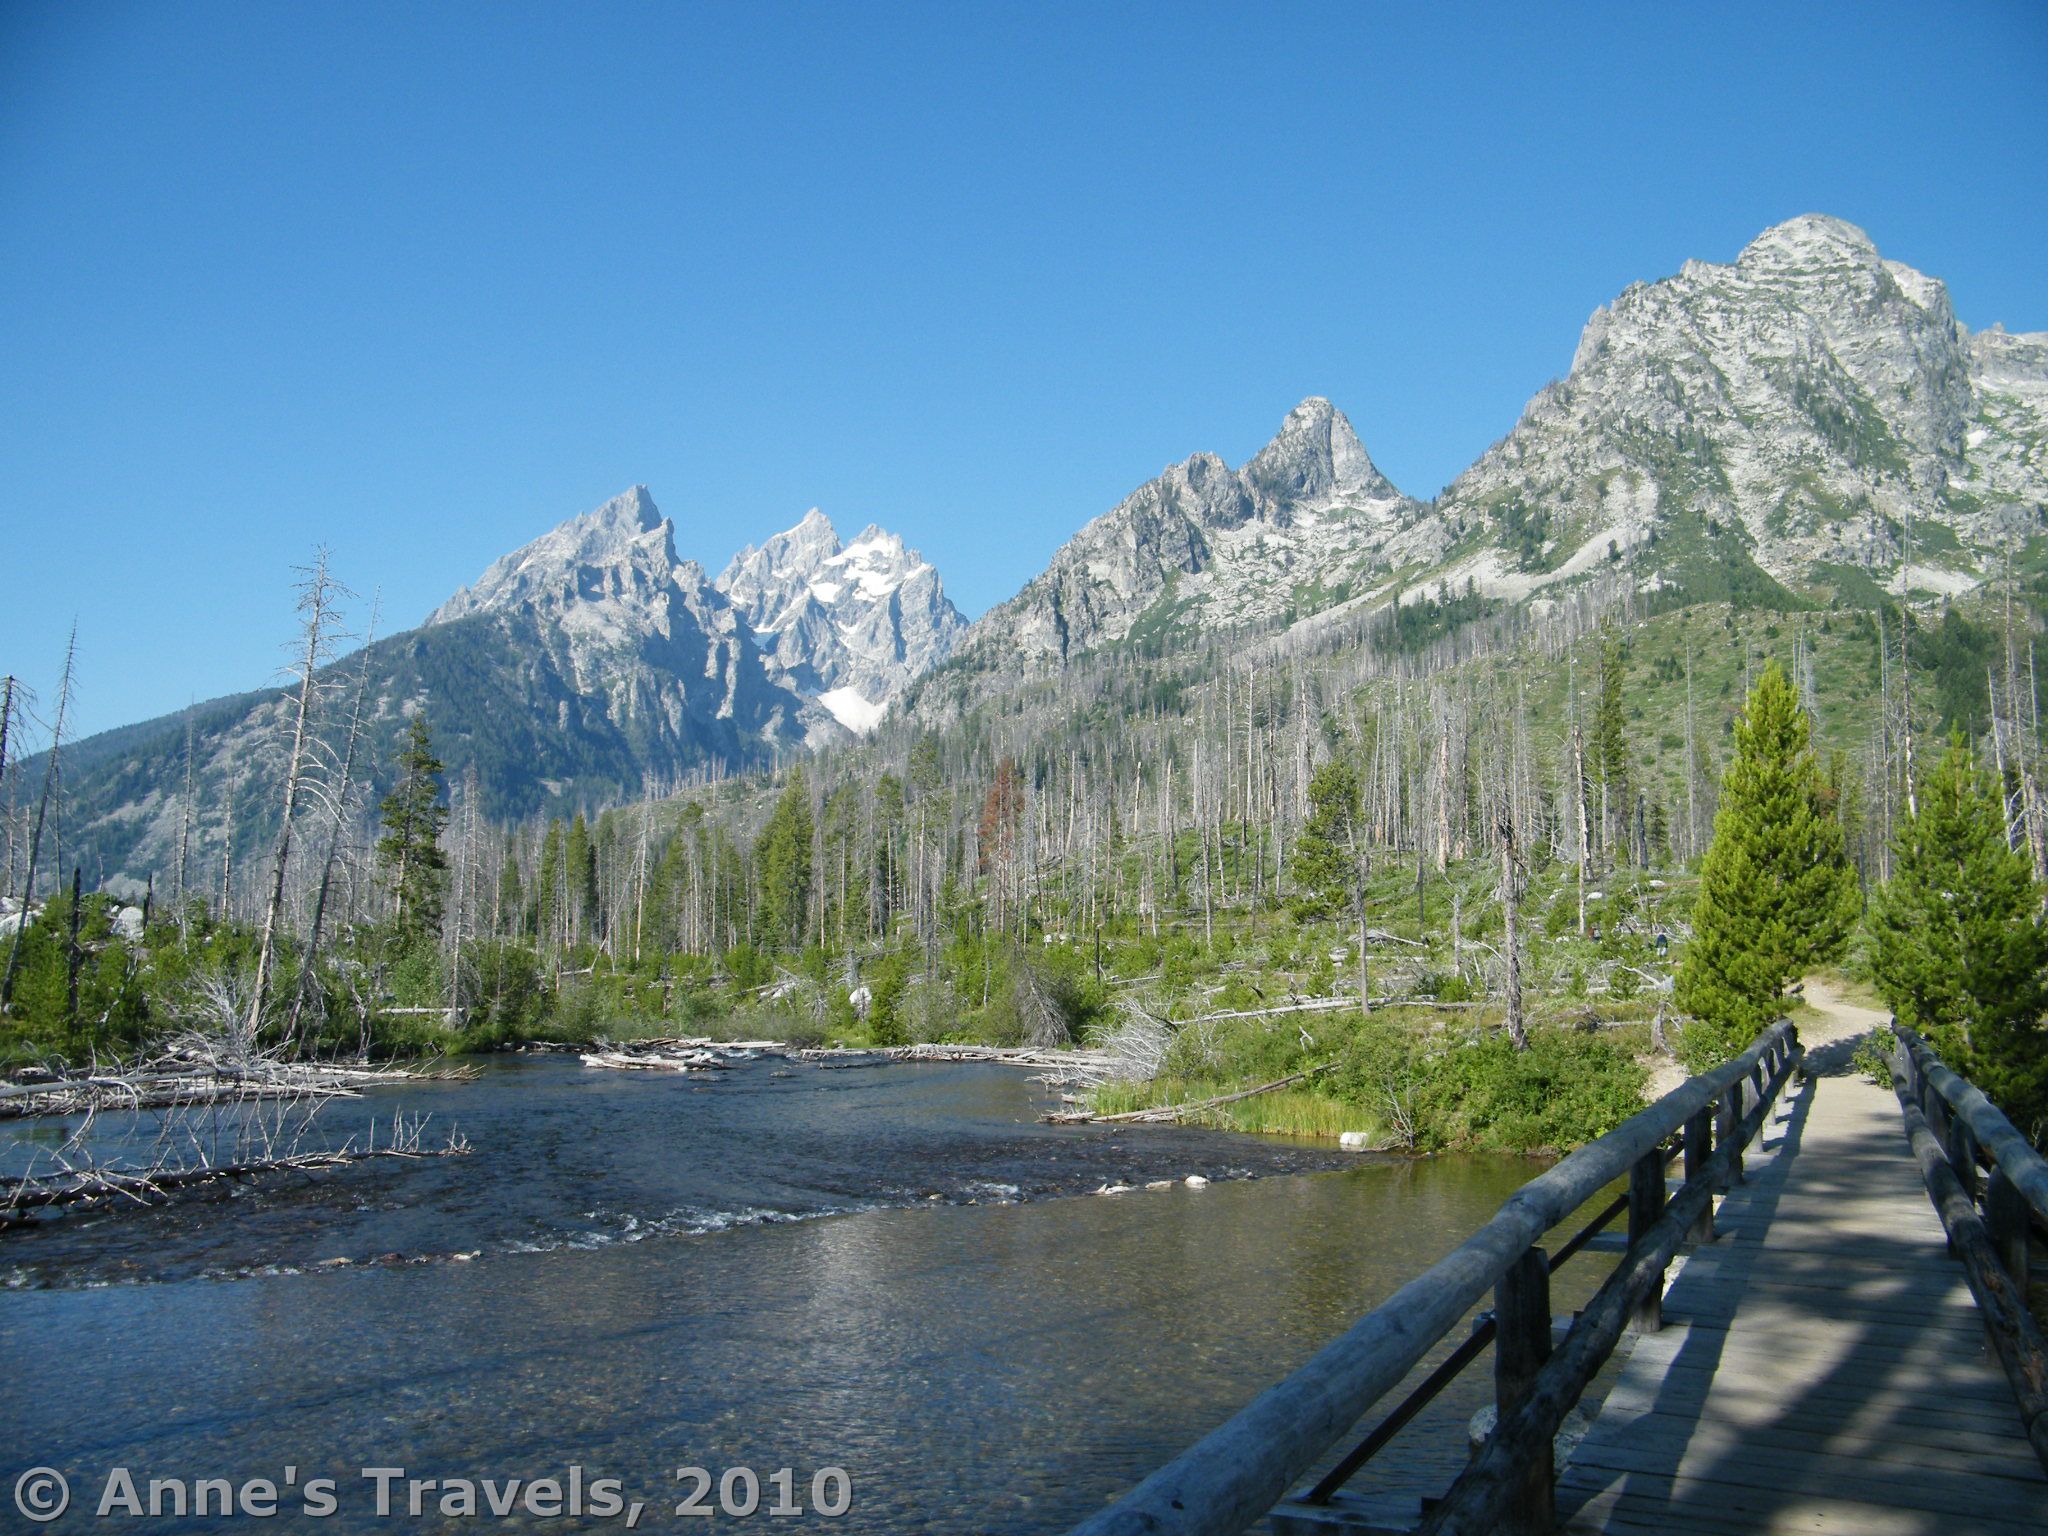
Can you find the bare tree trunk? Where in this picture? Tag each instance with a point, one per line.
(1692, 773)
(1579, 804)
(1510, 906)
(337, 813)
(316, 599)
(2030, 783)
(1443, 795)
(185, 817)
(49, 795)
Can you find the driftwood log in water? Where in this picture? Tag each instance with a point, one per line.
(656, 1061)
(679, 1053)
(1005, 1055)
(1166, 1114)
(21, 1197)
(171, 1084)
(272, 1147)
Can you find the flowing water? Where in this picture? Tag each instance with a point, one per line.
(776, 1267)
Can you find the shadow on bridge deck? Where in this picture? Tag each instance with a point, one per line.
(1822, 1367)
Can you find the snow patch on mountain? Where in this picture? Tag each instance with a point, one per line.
(855, 622)
(852, 710)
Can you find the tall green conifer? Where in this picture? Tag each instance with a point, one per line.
(783, 863)
(1776, 894)
(1325, 855)
(410, 849)
(1961, 950)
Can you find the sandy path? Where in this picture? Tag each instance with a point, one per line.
(1832, 1037)
(1831, 1027)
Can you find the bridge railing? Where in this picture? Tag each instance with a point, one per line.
(1989, 1187)
(1237, 1473)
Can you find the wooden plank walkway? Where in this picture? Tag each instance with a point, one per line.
(1821, 1368)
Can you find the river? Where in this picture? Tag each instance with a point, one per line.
(777, 1267)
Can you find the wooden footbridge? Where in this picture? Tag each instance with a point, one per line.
(1822, 1328)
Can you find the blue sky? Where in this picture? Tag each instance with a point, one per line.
(419, 281)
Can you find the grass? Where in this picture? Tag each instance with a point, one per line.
(1302, 1111)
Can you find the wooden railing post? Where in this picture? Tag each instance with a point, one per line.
(1699, 1146)
(1961, 1146)
(1728, 1133)
(1521, 1321)
(2005, 1213)
(1645, 1210)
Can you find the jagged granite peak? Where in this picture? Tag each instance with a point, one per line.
(1316, 461)
(1805, 415)
(584, 559)
(1308, 522)
(625, 619)
(851, 625)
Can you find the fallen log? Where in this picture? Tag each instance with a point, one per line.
(656, 1061)
(20, 1197)
(1005, 1055)
(1167, 1114)
(176, 1084)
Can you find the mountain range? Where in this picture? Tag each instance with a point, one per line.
(590, 665)
(1808, 424)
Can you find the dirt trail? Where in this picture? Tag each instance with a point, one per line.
(1832, 1037)
(1831, 1027)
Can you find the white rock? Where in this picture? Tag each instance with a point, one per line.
(1355, 1141)
(1195, 1181)
(850, 625)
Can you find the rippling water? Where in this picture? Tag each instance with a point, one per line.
(649, 1293)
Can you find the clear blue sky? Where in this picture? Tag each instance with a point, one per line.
(422, 280)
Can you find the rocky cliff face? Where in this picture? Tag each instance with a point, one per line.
(578, 669)
(850, 625)
(627, 623)
(1308, 521)
(1812, 413)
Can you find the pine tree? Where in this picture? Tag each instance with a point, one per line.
(1325, 854)
(1776, 894)
(548, 891)
(582, 875)
(1610, 738)
(1329, 861)
(511, 897)
(1961, 949)
(783, 861)
(410, 849)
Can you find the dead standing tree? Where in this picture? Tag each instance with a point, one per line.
(51, 790)
(337, 801)
(318, 593)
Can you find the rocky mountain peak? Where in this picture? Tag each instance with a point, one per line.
(1308, 523)
(1316, 460)
(849, 624)
(624, 543)
(1813, 242)
(1790, 417)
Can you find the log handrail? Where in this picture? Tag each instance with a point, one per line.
(1994, 1135)
(1239, 1471)
(1948, 1124)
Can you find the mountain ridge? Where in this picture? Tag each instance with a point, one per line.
(1806, 424)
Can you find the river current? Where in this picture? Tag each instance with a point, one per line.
(895, 1271)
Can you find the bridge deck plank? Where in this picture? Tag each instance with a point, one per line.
(1822, 1368)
